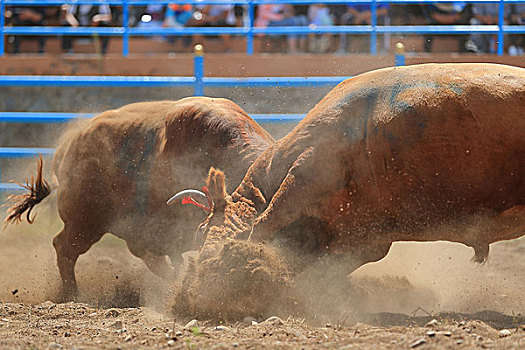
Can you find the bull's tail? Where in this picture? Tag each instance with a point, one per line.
(38, 189)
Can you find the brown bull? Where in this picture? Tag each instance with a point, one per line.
(115, 174)
(418, 153)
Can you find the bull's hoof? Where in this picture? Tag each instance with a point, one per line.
(481, 253)
(67, 294)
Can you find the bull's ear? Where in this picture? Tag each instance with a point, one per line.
(216, 184)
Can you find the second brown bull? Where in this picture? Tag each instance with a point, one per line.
(418, 153)
(115, 174)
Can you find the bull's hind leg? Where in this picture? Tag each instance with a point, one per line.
(69, 244)
(512, 222)
(506, 226)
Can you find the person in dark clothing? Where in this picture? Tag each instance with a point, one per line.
(27, 16)
(452, 13)
(87, 15)
(359, 14)
(517, 17)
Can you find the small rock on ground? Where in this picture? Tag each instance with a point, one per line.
(504, 333)
(274, 320)
(117, 325)
(432, 323)
(112, 313)
(418, 343)
(191, 324)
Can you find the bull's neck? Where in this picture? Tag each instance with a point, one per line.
(264, 177)
(247, 204)
(251, 196)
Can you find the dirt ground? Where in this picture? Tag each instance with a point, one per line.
(123, 306)
(79, 326)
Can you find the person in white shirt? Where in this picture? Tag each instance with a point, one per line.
(86, 15)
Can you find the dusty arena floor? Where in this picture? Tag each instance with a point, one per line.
(123, 306)
(79, 326)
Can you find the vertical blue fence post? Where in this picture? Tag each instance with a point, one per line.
(373, 22)
(249, 37)
(501, 19)
(125, 22)
(2, 23)
(400, 54)
(198, 70)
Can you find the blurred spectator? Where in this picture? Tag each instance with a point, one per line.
(517, 16)
(134, 17)
(483, 14)
(26, 16)
(319, 15)
(214, 16)
(282, 15)
(87, 15)
(52, 15)
(153, 17)
(447, 13)
(176, 16)
(360, 14)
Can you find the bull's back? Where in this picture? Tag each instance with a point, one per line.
(449, 138)
(109, 135)
(100, 160)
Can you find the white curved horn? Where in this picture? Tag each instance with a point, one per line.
(197, 195)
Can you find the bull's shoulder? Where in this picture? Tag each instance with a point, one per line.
(116, 131)
(218, 112)
(212, 122)
(141, 112)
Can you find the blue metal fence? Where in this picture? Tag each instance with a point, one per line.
(249, 31)
(199, 82)
(58, 117)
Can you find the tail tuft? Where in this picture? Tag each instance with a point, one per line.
(20, 204)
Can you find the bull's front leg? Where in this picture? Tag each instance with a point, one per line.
(158, 264)
(300, 190)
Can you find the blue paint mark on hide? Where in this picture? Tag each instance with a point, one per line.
(397, 105)
(455, 88)
(135, 162)
(366, 99)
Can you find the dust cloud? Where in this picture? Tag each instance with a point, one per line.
(416, 279)
(458, 285)
(413, 279)
(107, 275)
(419, 279)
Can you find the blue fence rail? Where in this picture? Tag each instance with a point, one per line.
(249, 31)
(58, 117)
(198, 81)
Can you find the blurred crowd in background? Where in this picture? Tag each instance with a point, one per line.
(180, 15)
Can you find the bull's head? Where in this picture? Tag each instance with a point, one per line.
(227, 218)
(231, 277)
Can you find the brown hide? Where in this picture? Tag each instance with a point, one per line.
(428, 152)
(116, 174)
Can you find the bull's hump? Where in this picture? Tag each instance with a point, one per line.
(385, 93)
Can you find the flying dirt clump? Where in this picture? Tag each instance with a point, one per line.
(242, 279)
